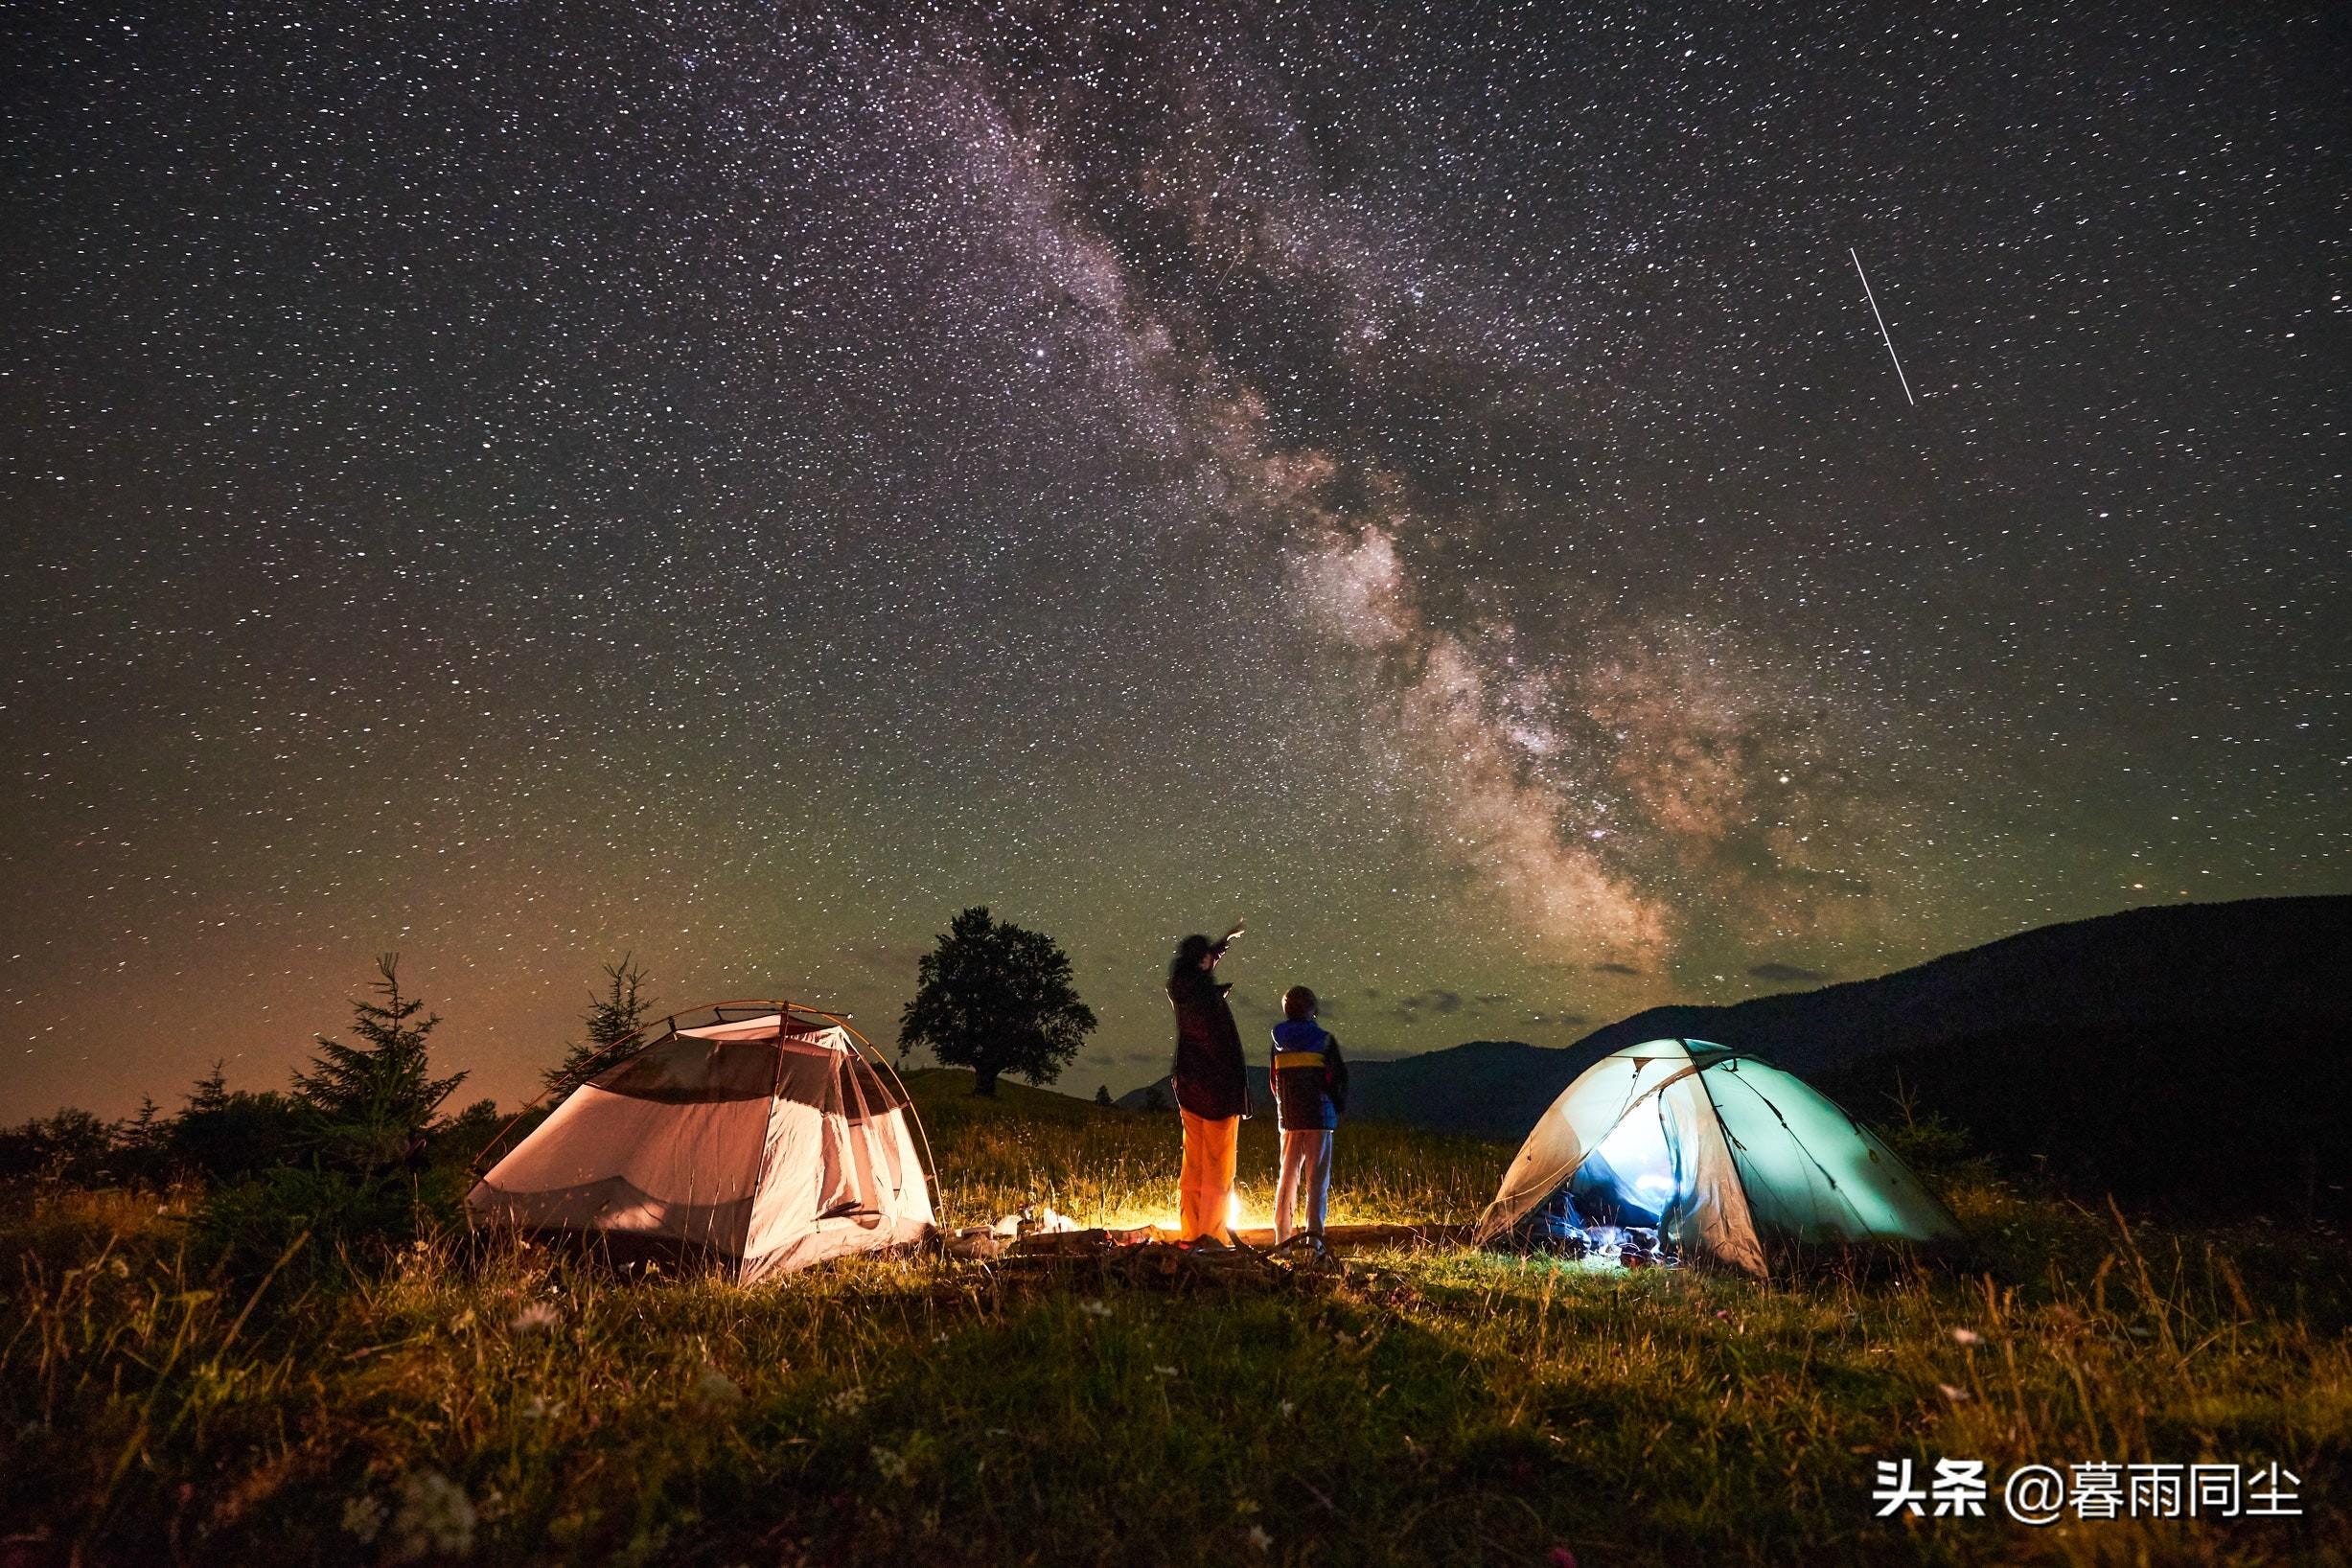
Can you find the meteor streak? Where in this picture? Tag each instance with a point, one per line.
(1883, 331)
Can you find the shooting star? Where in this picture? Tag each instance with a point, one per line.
(1883, 331)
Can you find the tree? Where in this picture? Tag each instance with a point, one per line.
(72, 1147)
(1102, 1093)
(143, 1142)
(458, 1140)
(371, 1105)
(227, 1134)
(996, 998)
(211, 1092)
(611, 1019)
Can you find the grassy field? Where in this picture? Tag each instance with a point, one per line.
(1439, 1407)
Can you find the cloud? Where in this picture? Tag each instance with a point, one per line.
(1614, 969)
(1436, 1000)
(1258, 1013)
(1787, 974)
(891, 961)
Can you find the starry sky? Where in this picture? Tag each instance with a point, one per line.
(738, 483)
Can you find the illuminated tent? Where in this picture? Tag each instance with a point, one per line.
(765, 1139)
(1731, 1159)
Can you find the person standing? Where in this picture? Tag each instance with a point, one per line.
(1213, 1085)
(1310, 1090)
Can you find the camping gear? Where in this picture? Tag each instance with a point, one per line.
(1725, 1156)
(767, 1138)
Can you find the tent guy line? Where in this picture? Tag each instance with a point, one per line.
(1882, 320)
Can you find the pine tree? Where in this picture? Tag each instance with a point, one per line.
(211, 1093)
(610, 1021)
(142, 1143)
(1102, 1093)
(370, 1105)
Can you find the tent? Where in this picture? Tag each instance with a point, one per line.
(1732, 1159)
(766, 1138)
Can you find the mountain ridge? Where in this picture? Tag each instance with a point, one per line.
(2230, 965)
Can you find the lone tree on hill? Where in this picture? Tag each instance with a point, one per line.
(996, 998)
(611, 1019)
(370, 1105)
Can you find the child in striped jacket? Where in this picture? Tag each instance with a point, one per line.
(1311, 1091)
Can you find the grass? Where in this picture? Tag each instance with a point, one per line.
(1442, 1407)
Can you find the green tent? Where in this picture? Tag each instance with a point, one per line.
(1729, 1157)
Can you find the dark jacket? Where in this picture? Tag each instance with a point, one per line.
(1212, 1076)
(1310, 1081)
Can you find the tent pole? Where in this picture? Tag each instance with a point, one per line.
(931, 1164)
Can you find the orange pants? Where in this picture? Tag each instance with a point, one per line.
(1208, 1184)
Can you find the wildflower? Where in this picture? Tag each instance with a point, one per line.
(538, 1409)
(1287, 1407)
(848, 1401)
(891, 1462)
(1967, 1336)
(1163, 1371)
(363, 1516)
(1259, 1537)
(537, 1315)
(1094, 1309)
(1561, 1557)
(434, 1519)
(713, 1387)
(1956, 1396)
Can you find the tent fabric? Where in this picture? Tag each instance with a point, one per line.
(1731, 1158)
(767, 1142)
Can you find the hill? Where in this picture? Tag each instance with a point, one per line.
(2235, 966)
(2137, 1009)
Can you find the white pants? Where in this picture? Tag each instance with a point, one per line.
(1307, 1162)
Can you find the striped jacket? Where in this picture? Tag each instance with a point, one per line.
(1310, 1081)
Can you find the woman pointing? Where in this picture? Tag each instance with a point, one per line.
(1213, 1085)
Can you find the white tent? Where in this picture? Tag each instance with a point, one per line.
(1730, 1158)
(767, 1140)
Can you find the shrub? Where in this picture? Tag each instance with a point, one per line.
(352, 1221)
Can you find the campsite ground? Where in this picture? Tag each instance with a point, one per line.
(1438, 1407)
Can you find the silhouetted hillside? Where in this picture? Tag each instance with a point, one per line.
(2090, 1045)
(2264, 958)
(2205, 1119)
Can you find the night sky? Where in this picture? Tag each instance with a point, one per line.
(737, 484)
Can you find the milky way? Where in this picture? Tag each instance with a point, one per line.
(517, 488)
